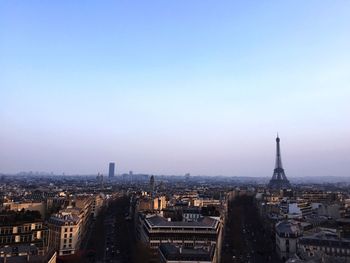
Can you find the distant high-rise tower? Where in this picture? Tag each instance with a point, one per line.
(152, 185)
(279, 179)
(99, 178)
(111, 170)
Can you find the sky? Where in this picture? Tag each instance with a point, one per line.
(175, 87)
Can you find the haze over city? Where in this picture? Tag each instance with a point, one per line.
(170, 87)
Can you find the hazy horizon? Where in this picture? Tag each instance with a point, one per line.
(161, 87)
(119, 174)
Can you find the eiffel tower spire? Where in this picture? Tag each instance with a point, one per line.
(279, 179)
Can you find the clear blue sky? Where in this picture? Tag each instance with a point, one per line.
(175, 86)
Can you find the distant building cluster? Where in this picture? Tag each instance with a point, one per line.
(171, 219)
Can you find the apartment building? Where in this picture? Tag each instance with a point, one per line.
(325, 242)
(22, 233)
(169, 253)
(155, 230)
(287, 234)
(65, 232)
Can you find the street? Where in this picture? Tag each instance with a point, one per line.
(245, 239)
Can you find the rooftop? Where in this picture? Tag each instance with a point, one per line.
(288, 227)
(327, 238)
(203, 222)
(172, 252)
(14, 217)
(64, 217)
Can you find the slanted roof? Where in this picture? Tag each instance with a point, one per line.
(287, 228)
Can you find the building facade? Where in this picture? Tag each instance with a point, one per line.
(21, 235)
(111, 170)
(287, 234)
(65, 232)
(325, 242)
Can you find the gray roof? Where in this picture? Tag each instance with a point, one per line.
(63, 218)
(172, 252)
(287, 227)
(325, 238)
(192, 210)
(19, 248)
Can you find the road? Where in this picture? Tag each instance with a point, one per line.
(110, 238)
(245, 239)
(117, 239)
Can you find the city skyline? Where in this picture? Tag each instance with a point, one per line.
(172, 88)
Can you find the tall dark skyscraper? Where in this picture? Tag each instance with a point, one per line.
(279, 179)
(152, 185)
(111, 170)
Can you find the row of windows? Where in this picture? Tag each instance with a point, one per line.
(6, 230)
(189, 231)
(181, 238)
(65, 241)
(12, 239)
(7, 239)
(69, 246)
(20, 229)
(70, 235)
(328, 249)
(70, 229)
(182, 235)
(183, 229)
(25, 238)
(156, 244)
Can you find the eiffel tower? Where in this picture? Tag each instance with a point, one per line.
(279, 179)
